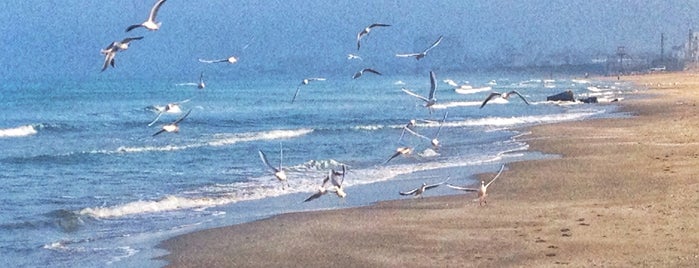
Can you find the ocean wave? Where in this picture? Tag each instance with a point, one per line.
(218, 140)
(21, 131)
(465, 90)
(521, 120)
(456, 104)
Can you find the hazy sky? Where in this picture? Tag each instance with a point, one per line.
(62, 38)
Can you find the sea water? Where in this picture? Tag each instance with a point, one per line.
(85, 184)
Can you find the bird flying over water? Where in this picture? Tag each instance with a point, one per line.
(201, 84)
(231, 60)
(504, 96)
(422, 54)
(116, 46)
(303, 83)
(400, 151)
(366, 31)
(335, 179)
(361, 72)
(430, 100)
(482, 191)
(417, 192)
(278, 171)
(174, 126)
(353, 57)
(150, 23)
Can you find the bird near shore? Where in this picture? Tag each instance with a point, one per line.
(335, 179)
(430, 100)
(422, 54)
(400, 151)
(417, 192)
(366, 31)
(150, 23)
(278, 171)
(116, 46)
(482, 191)
(361, 72)
(174, 126)
(504, 96)
(303, 83)
(231, 60)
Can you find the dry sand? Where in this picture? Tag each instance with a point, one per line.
(624, 194)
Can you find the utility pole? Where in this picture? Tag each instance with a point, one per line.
(662, 48)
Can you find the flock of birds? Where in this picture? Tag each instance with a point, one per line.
(333, 181)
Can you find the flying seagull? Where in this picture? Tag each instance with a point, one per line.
(504, 96)
(417, 192)
(482, 191)
(303, 83)
(422, 54)
(201, 84)
(366, 31)
(361, 72)
(353, 57)
(231, 60)
(173, 127)
(170, 108)
(435, 140)
(278, 172)
(400, 151)
(335, 185)
(116, 46)
(430, 100)
(150, 23)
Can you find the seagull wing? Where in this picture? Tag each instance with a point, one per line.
(182, 118)
(379, 25)
(441, 124)
(393, 156)
(465, 189)
(128, 29)
(433, 186)
(434, 44)
(520, 95)
(157, 133)
(298, 88)
(490, 97)
(433, 85)
(156, 119)
(371, 71)
(407, 55)
(414, 95)
(213, 61)
(411, 192)
(108, 59)
(129, 39)
(264, 159)
(496, 176)
(154, 10)
(416, 134)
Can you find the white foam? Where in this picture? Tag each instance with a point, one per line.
(521, 120)
(220, 140)
(456, 104)
(465, 90)
(21, 131)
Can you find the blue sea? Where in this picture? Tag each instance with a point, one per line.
(85, 184)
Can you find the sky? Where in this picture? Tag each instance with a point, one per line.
(61, 38)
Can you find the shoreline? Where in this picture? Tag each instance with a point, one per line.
(604, 202)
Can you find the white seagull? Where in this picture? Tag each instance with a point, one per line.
(400, 151)
(278, 172)
(361, 72)
(430, 100)
(150, 23)
(367, 30)
(303, 83)
(174, 126)
(504, 96)
(353, 57)
(435, 140)
(335, 185)
(170, 108)
(422, 54)
(417, 192)
(116, 46)
(482, 191)
(231, 60)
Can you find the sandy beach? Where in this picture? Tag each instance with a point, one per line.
(625, 193)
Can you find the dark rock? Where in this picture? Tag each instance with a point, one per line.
(563, 96)
(589, 100)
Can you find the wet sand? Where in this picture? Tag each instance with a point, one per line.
(624, 193)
